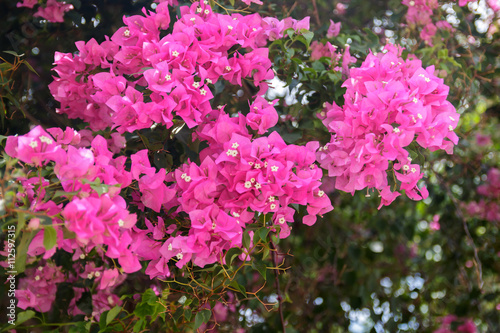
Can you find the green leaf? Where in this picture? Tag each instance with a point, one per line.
(238, 287)
(188, 313)
(290, 32)
(263, 232)
(149, 297)
(265, 253)
(21, 222)
(231, 2)
(14, 54)
(246, 240)
(27, 64)
(139, 325)
(68, 234)
(202, 317)
(112, 314)
(291, 137)
(80, 327)
(261, 267)
(308, 35)
(143, 309)
(49, 237)
(23, 316)
(60, 193)
(231, 254)
(23, 250)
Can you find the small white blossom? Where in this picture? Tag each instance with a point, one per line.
(45, 139)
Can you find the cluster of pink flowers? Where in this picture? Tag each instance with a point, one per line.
(140, 78)
(466, 325)
(100, 222)
(130, 82)
(420, 14)
(143, 79)
(237, 178)
(53, 11)
(489, 207)
(388, 102)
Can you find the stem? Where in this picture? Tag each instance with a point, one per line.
(278, 289)
(316, 14)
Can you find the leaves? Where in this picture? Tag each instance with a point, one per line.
(112, 314)
(201, 317)
(49, 237)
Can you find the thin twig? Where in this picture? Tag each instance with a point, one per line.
(278, 290)
(316, 14)
(291, 9)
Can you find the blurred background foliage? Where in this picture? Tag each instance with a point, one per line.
(358, 269)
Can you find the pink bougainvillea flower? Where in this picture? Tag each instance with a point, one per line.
(27, 3)
(334, 29)
(54, 11)
(37, 147)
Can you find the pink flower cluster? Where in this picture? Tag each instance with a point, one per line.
(137, 79)
(100, 222)
(53, 11)
(420, 14)
(489, 207)
(38, 289)
(237, 178)
(389, 101)
(466, 326)
(144, 79)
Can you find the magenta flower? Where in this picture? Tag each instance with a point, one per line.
(37, 147)
(54, 11)
(334, 29)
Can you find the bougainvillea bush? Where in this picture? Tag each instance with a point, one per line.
(223, 167)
